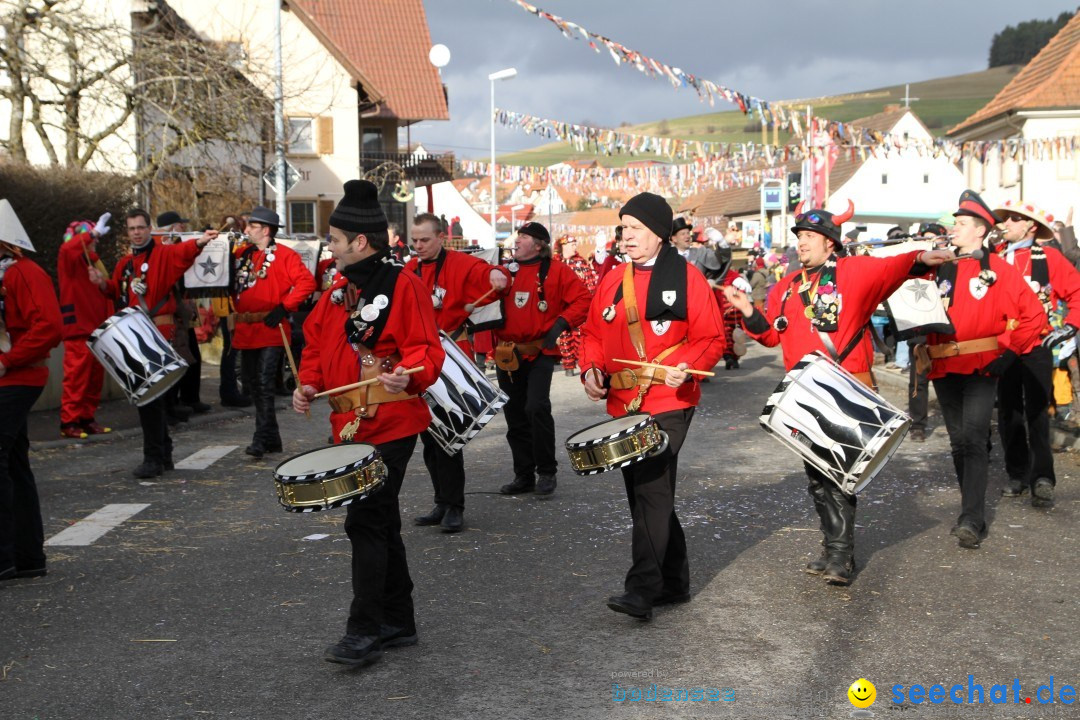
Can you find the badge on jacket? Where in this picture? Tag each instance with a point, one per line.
(978, 288)
(520, 298)
(659, 327)
(668, 296)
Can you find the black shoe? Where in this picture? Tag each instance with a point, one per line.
(632, 605)
(148, 469)
(453, 521)
(917, 435)
(198, 408)
(1042, 494)
(675, 598)
(178, 413)
(31, 572)
(236, 402)
(816, 567)
(392, 637)
(168, 464)
(969, 538)
(275, 448)
(8, 574)
(520, 485)
(255, 451)
(355, 650)
(1014, 488)
(545, 485)
(432, 518)
(838, 570)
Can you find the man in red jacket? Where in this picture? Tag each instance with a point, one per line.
(545, 299)
(656, 308)
(826, 307)
(1026, 389)
(82, 308)
(29, 329)
(145, 278)
(375, 322)
(271, 282)
(453, 280)
(996, 317)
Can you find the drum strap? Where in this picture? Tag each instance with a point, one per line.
(866, 378)
(637, 337)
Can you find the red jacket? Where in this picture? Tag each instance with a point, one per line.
(165, 265)
(1064, 285)
(703, 331)
(329, 360)
(465, 278)
(83, 306)
(288, 282)
(1009, 298)
(564, 293)
(863, 283)
(32, 317)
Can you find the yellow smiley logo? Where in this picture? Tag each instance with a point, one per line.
(862, 693)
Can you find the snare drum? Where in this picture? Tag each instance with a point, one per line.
(822, 413)
(137, 355)
(615, 443)
(329, 477)
(462, 401)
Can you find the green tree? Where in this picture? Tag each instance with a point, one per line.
(1017, 45)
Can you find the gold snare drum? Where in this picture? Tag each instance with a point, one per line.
(615, 443)
(329, 477)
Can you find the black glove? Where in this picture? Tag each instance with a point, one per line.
(552, 337)
(997, 367)
(1058, 336)
(275, 316)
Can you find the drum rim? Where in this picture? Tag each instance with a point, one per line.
(646, 418)
(308, 477)
(113, 320)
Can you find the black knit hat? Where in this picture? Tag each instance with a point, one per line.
(536, 230)
(653, 211)
(359, 211)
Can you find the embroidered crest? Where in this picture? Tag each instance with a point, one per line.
(668, 296)
(659, 327)
(520, 298)
(978, 288)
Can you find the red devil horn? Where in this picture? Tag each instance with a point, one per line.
(798, 208)
(843, 217)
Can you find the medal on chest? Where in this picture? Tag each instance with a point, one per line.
(437, 295)
(609, 313)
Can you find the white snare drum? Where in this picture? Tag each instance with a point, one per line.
(137, 355)
(615, 443)
(462, 401)
(834, 422)
(329, 477)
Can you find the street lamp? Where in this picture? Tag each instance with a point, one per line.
(500, 75)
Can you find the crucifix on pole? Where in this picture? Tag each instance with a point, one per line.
(907, 95)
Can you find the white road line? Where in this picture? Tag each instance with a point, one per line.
(96, 524)
(205, 457)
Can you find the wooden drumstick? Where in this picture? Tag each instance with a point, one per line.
(362, 383)
(705, 373)
(292, 361)
(469, 307)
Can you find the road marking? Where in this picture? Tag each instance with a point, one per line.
(205, 457)
(96, 524)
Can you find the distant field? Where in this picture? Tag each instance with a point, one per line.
(943, 102)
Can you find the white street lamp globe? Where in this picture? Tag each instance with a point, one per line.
(439, 55)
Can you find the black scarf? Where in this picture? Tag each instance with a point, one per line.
(668, 275)
(946, 277)
(370, 280)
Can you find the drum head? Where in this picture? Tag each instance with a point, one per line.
(324, 460)
(607, 429)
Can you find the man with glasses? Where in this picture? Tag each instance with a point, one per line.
(1026, 388)
(826, 307)
(145, 278)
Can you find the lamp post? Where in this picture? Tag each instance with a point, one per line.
(500, 75)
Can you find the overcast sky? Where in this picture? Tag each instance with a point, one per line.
(778, 49)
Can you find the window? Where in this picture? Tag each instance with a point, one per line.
(302, 217)
(301, 136)
(371, 141)
(884, 178)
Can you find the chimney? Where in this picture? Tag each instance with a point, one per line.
(892, 108)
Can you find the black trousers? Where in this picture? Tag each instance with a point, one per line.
(22, 537)
(228, 389)
(1024, 395)
(191, 383)
(259, 369)
(918, 391)
(382, 588)
(530, 429)
(659, 565)
(447, 472)
(967, 405)
(157, 443)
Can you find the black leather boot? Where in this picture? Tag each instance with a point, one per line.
(840, 540)
(432, 518)
(817, 494)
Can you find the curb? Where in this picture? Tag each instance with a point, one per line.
(193, 422)
(897, 381)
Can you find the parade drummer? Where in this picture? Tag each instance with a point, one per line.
(655, 308)
(453, 280)
(375, 322)
(996, 317)
(1025, 391)
(29, 329)
(545, 299)
(145, 278)
(826, 307)
(271, 282)
(82, 308)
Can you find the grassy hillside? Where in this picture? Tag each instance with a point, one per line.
(943, 102)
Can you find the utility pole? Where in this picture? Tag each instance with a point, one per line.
(279, 121)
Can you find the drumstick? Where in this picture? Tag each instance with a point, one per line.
(362, 383)
(706, 373)
(469, 307)
(292, 361)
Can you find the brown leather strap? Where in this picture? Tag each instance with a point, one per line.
(867, 379)
(634, 377)
(161, 320)
(633, 317)
(251, 317)
(964, 347)
(356, 399)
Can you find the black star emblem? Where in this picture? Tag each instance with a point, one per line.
(209, 267)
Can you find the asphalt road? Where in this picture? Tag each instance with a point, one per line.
(210, 602)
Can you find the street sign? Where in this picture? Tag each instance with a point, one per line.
(772, 198)
(292, 176)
